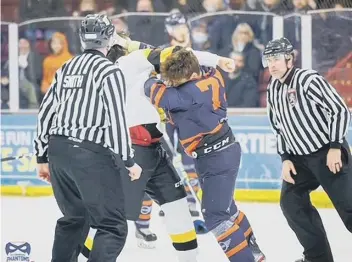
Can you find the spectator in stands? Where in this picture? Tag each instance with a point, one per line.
(60, 54)
(86, 7)
(120, 25)
(220, 27)
(157, 5)
(114, 8)
(200, 38)
(302, 6)
(237, 4)
(27, 91)
(331, 38)
(241, 88)
(341, 4)
(292, 24)
(30, 62)
(263, 25)
(188, 6)
(243, 41)
(5, 91)
(279, 7)
(34, 9)
(147, 28)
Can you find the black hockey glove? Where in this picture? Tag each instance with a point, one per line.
(115, 52)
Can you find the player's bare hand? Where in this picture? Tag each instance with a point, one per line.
(43, 171)
(227, 64)
(135, 172)
(333, 160)
(287, 169)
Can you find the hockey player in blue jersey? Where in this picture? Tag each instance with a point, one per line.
(194, 99)
(179, 33)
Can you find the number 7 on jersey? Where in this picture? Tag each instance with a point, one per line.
(213, 84)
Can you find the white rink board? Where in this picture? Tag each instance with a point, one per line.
(33, 220)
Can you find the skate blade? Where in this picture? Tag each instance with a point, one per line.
(146, 244)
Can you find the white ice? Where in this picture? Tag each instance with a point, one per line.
(33, 220)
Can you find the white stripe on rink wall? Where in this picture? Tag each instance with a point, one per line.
(18, 127)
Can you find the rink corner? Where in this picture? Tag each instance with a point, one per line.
(29, 191)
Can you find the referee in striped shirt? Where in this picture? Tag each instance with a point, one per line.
(82, 146)
(310, 120)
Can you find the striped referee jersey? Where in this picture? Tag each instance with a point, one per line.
(306, 113)
(86, 101)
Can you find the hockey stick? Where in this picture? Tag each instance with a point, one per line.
(10, 158)
(180, 168)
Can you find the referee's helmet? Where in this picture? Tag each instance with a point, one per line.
(96, 31)
(277, 49)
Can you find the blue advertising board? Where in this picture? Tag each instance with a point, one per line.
(260, 164)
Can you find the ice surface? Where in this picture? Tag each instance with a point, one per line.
(33, 220)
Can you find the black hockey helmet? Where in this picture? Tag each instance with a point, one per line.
(96, 31)
(276, 48)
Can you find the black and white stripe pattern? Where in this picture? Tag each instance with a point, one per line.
(93, 109)
(306, 113)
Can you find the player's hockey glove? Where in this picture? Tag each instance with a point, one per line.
(115, 52)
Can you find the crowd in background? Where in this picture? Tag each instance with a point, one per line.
(44, 45)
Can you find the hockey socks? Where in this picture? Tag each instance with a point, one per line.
(180, 227)
(232, 240)
(242, 221)
(145, 215)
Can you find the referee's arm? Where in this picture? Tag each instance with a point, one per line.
(282, 148)
(44, 121)
(323, 94)
(114, 97)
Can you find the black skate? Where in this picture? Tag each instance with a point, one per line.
(161, 213)
(145, 238)
(257, 253)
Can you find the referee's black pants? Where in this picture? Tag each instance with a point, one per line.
(87, 187)
(301, 216)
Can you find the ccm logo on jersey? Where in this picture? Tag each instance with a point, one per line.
(217, 146)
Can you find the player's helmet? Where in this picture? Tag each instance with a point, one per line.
(96, 31)
(276, 48)
(174, 19)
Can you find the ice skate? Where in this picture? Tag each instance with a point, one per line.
(257, 253)
(145, 238)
